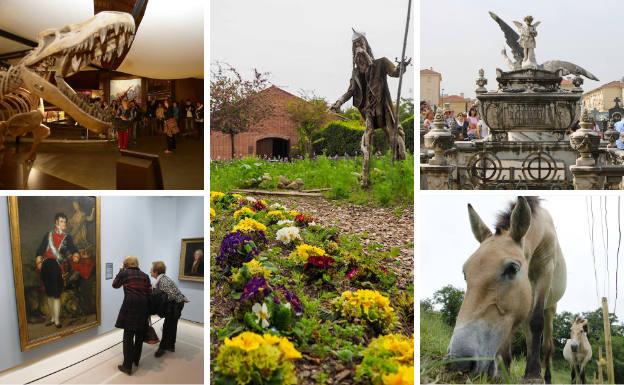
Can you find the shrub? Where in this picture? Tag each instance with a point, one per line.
(408, 128)
(250, 358)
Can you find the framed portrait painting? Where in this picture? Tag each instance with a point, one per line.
(55, 244)
(192, 259)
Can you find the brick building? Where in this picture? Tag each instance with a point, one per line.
(273, 136)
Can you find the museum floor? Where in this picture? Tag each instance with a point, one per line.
(93, 165)
(186, 365)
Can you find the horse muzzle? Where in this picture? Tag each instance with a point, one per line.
(473, 348)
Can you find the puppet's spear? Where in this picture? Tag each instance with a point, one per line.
(398, 99)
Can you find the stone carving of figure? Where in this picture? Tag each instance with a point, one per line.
(528, 32)
(78, 225)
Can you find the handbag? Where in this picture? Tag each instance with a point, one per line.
(150, 335)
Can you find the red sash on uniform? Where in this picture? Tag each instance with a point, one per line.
(58, 239)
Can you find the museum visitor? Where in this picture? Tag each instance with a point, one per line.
(173, 308)
(134, 312)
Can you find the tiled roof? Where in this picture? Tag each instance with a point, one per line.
(615, 83)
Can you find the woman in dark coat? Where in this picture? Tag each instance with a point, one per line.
(134, 312)
(173, 307)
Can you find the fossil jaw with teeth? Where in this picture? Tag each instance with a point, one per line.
(61, 53)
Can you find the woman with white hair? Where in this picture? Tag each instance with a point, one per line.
(172, 309)
(134, 312)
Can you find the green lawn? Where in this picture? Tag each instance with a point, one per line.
(391, 184)
(434, 339)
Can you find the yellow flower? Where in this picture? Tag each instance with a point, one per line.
(215, 196)
(246, 341)
(256, 267)
(244, 211)
(404, 376)
(293, 213)
(249, 224)
(271, 339)
(275, 215)
(305, 251)
(290, 353)
(237, 196)
(402, 346)
(213, 214)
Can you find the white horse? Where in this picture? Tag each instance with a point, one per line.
(577, 350)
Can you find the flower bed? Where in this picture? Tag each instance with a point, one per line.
(296, 302)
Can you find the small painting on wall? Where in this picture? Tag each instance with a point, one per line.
(192, 259)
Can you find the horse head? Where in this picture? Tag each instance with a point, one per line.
(498, 296)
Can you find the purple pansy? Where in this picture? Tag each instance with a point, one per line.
(257, 288)
(236, 248)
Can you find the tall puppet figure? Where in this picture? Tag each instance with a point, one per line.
(369, 89)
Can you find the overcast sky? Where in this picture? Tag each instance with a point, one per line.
(458, 37)
(306, 45)
(447, 241)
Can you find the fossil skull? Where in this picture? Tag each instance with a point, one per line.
(62, 52)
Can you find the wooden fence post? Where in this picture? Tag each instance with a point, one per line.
(608, 347)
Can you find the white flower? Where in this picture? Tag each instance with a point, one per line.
(287, 234)
(262, 312)
(285, 222)
(251, 200)
(277, 206)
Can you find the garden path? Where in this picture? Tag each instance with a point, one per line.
(375, 224)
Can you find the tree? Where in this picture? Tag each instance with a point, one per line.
(450, 298)
(406, 109)
(310, 113)
(235, 103)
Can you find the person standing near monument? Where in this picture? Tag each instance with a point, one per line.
(54, 253)
(369, 89)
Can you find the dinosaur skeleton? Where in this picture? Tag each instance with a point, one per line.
(61, 52)
(512, 39)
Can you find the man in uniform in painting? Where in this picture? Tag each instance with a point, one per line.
(55, 253)
(369, 89)
(197, 268)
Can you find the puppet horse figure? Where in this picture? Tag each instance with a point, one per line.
(577, 350)
(514, 279)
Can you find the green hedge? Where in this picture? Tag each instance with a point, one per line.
(340, 137)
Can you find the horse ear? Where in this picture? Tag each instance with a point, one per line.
(479, 229)
(520, 220)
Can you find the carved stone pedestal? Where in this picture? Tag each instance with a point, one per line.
(435, 177)
(587, 178)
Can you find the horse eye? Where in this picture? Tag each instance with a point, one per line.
(511, 270)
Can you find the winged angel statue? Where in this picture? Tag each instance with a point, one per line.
(523, 49)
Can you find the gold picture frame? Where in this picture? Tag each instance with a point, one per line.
(78, 311)
(188, 249)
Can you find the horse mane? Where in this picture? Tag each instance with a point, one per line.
(503, 221)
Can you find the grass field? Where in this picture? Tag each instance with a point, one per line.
(434, 339)
(391, 185)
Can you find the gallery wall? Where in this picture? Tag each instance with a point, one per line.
(148, 227)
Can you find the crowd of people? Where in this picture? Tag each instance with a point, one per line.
(463, 126)
(161, 117)
(141, 299)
